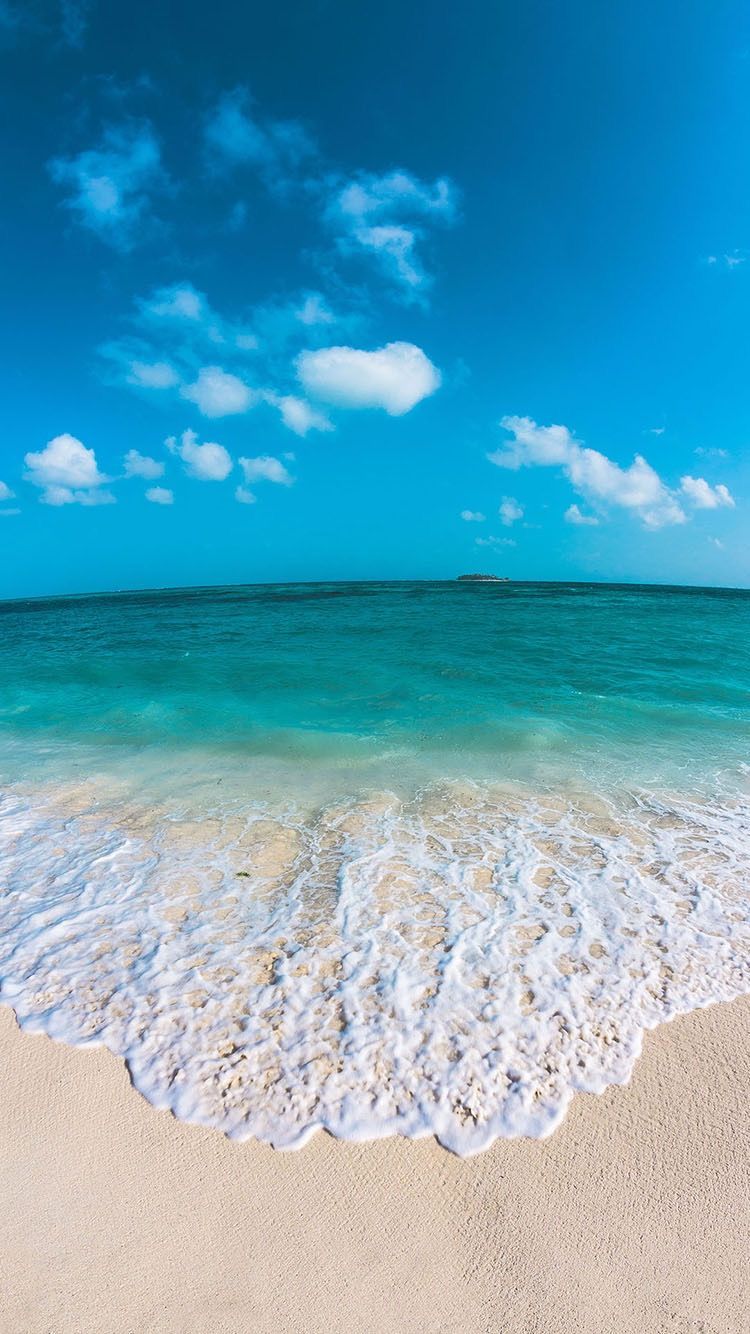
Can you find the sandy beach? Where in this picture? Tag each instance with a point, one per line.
(634, 1216)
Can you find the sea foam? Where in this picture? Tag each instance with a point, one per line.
(457, 963)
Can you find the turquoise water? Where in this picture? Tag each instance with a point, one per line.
(377, 858)
(522, 680)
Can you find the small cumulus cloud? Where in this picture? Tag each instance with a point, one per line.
(244, 496)
(218, 393)
(207, 463)
(110, 186)
(140, 465)
(160, 495)
(265, 468)
(473, 516)
(67, 473)
(510, 511)
(5, 491)
(704, 496)
(395, 377)
(637, 488)
(495, 541)
(574, 515)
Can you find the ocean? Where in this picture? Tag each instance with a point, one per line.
(378, 858)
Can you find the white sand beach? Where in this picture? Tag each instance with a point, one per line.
(634, 1216)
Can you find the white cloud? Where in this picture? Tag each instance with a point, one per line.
(265, 469)
(574, 515)
(710, 452)
(384, 216)
(730, 261)
(298, 415)
(234, 137)
(67, 473)
(217, 393)
(716, 542)
(637, 488)
(153, 375)
(208, 463)
(510, 511)
(5, 491)
(140, 465)
(472, 516)
(495, 541)
(181, 301)
(160, 495)
(110, 185)
(314, 310)
(244, 496)
(64, 495)
(704, 496)
(395, 377)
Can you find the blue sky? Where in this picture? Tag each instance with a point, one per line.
(342, 292)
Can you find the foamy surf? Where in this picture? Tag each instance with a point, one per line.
(456, 963)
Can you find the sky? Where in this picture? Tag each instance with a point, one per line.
(335, 291)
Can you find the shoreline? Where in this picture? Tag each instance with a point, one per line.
(632, 1216)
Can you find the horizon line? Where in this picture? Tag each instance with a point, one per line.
(309, 583)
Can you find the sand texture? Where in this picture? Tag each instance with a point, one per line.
(634, 1216)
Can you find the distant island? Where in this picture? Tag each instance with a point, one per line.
(484, 578)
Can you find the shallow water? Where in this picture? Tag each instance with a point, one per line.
(416, 858)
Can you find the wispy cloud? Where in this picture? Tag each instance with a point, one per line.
(74, 20)
(473, 516)
(710, 452)
(297, 414)
(152, 374)
(177, 330)
(110, 186)
(5, 492)
(730, 261)
(234, 136)
(385, 219)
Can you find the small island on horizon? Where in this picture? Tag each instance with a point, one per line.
(484, 578)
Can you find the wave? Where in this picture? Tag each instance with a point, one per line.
(459, 964)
